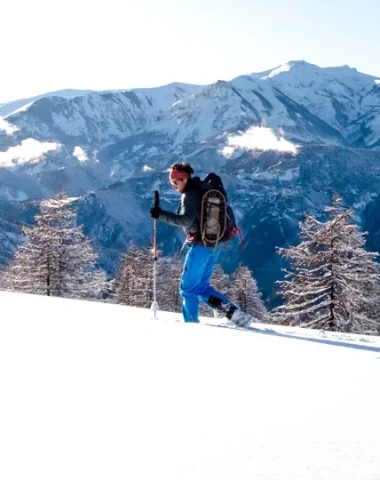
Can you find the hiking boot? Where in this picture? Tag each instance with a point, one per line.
(238, 317)
(219, 310)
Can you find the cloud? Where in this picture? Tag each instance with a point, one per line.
(80, 154)
(30, 150)
(258, 138)
(7, 127)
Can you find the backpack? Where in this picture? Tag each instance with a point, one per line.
(217, 219)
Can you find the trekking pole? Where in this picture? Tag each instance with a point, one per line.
(155, 306)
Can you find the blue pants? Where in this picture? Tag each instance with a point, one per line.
(195, 283)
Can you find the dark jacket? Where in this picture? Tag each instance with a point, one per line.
(188, 213)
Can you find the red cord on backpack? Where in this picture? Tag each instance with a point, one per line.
(240, 238)
(238, 231)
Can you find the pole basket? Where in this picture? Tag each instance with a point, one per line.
(154, 307)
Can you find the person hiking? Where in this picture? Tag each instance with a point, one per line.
(200, 260)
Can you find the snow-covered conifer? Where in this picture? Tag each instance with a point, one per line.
(245, 294)
(332, 276)
(3, 285)
(134, 281)
(221, 281)
(169, 280)
(56, 258)
(305, 285)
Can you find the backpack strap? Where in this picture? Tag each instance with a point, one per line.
(238, 231)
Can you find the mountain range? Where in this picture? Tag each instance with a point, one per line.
(283, 141)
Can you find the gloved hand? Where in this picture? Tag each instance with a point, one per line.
(155, 212)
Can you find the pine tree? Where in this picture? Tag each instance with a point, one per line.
(306, 285)
(333, 277)
(221, 280)
(124, 281)
(245, 294)
(56, 258)
(134, 281)
(168, 286)
(144, 278)
(3, 285)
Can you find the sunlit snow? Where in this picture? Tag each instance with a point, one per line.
(281, 69)
(23, 108)
(7, 127)
(80, 154)
(258, 138)
(30, 150)
(97, 391)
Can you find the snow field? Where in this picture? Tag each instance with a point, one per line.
(92, 390)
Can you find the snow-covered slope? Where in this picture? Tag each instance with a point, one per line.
(18, 105)
(97, 118)
(341, 96)
(317, 88)
(100, 391)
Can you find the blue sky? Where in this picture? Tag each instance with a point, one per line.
(140, 43)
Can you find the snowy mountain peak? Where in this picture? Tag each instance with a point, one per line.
(301, 69)
(301, 64)
(297, 65)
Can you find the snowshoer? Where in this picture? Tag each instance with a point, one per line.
(200, 259)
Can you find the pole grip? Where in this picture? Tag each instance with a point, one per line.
(156, 199)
